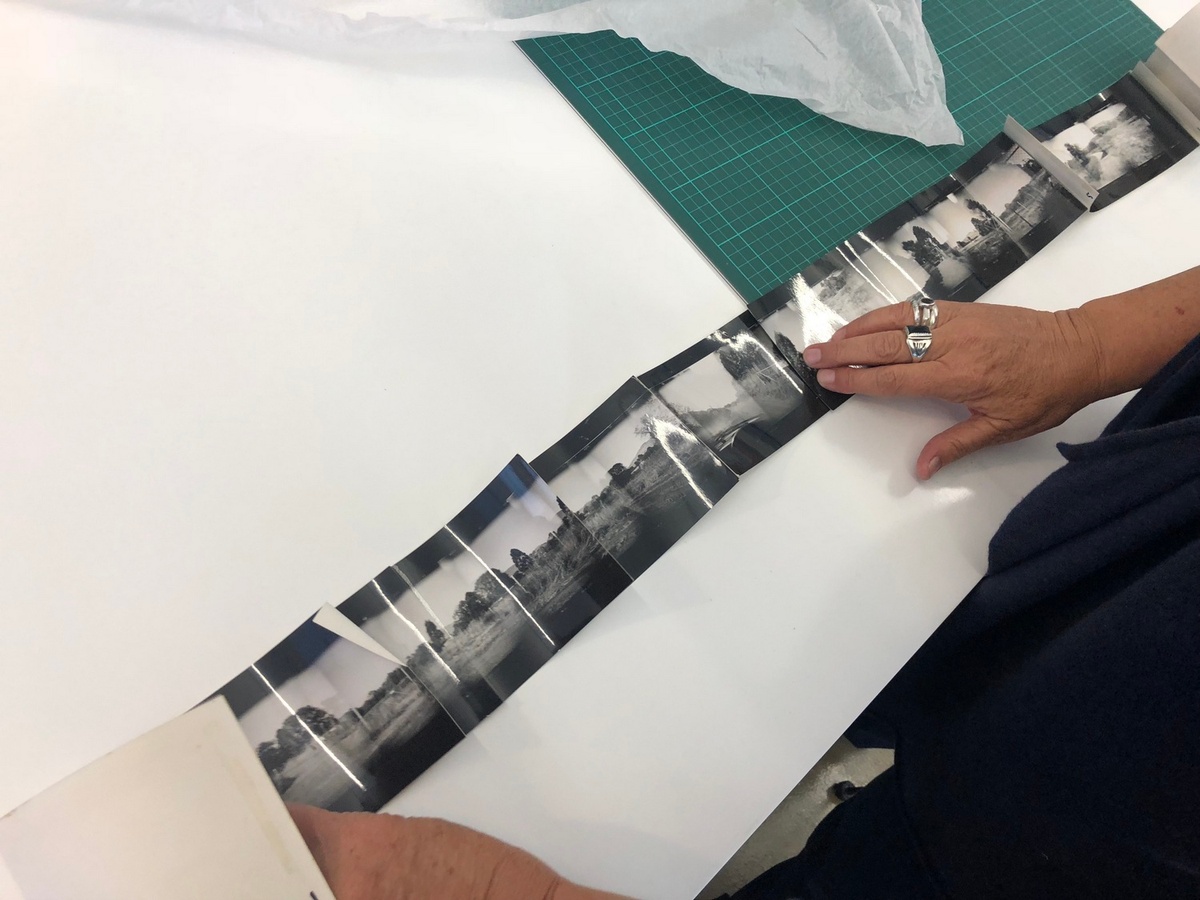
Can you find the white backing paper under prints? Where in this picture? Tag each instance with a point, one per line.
(358, 701)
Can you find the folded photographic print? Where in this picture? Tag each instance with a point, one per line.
(184, 811)
(843, 287)
(335, 725)
(1031, 206)
(736, 393)
(942, 244)
(540, 551)
(388, 610)
(1116, 141)
(792, 317)
(531, 550)
(635, 475)
(478, 619)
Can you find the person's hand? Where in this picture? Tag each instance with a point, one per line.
(369, 856)
(1018, 371)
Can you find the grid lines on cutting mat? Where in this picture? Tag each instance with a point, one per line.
(763, 185)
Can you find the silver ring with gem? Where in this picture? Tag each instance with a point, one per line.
(925, 312)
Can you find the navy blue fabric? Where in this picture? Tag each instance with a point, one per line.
(870, 828)
(1048, 735)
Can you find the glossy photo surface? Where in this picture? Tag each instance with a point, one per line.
(942, 244)
(477, 619)
(1116, 141)
(1031, 206)
(737, 393)
(635, 475)
(335, 725)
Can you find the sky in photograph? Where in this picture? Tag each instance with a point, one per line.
(704, 385)
(524, 524)
(588, 475)
(893, 266)
(340, 678)
(1082, 133)
(394, 630)
(805, 320)
(443, 590)
(1079, 134)
(998, 185)
(893, 271)
(949, 221)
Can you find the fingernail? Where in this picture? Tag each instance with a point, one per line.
(934, 465)
(812, 356)
(825, 378)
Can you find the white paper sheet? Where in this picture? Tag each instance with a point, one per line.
(185, 812)
(1181, 43)
(868, 63)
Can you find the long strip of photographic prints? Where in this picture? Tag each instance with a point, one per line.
(944, 243)
(965, 234)
(345, 717)
(484, 603)
(336, 725)
(737, 393)
(1116, 141)
(635, 475)
(1030, 204)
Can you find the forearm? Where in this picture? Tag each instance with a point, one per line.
(1135, 333)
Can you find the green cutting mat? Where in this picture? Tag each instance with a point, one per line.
(764, 186)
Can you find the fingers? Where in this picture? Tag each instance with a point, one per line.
(319, 830)
(891, 317)
(308, 821)
(906, 380)
(876, 339)
(880, 348)
(956, 442)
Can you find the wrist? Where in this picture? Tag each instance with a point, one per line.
(1086, 367)
(1135, 333)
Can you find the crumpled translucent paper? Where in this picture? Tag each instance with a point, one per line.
(868, 63)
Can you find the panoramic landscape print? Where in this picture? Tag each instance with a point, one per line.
(736, 392)
(1117, 141)
(335, 725)
(539, 551)
(942, 244)
(635, 475)
(1031, 206)
(389, 611)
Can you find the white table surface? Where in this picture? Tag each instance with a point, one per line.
(267, 321)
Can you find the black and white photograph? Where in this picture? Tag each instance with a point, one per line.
(1028, 201)
(941, 244)
(1116, 141)
(520, 530)
(736, 393)
(793, 318)
(476, 617)
(815, 323)
(843, 283)
(527, 552)
(388, 610)
(335, 725)
(635, 475)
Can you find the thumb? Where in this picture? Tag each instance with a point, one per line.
(315, 826)
(954, 443)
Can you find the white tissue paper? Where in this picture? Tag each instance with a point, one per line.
(868, 63)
